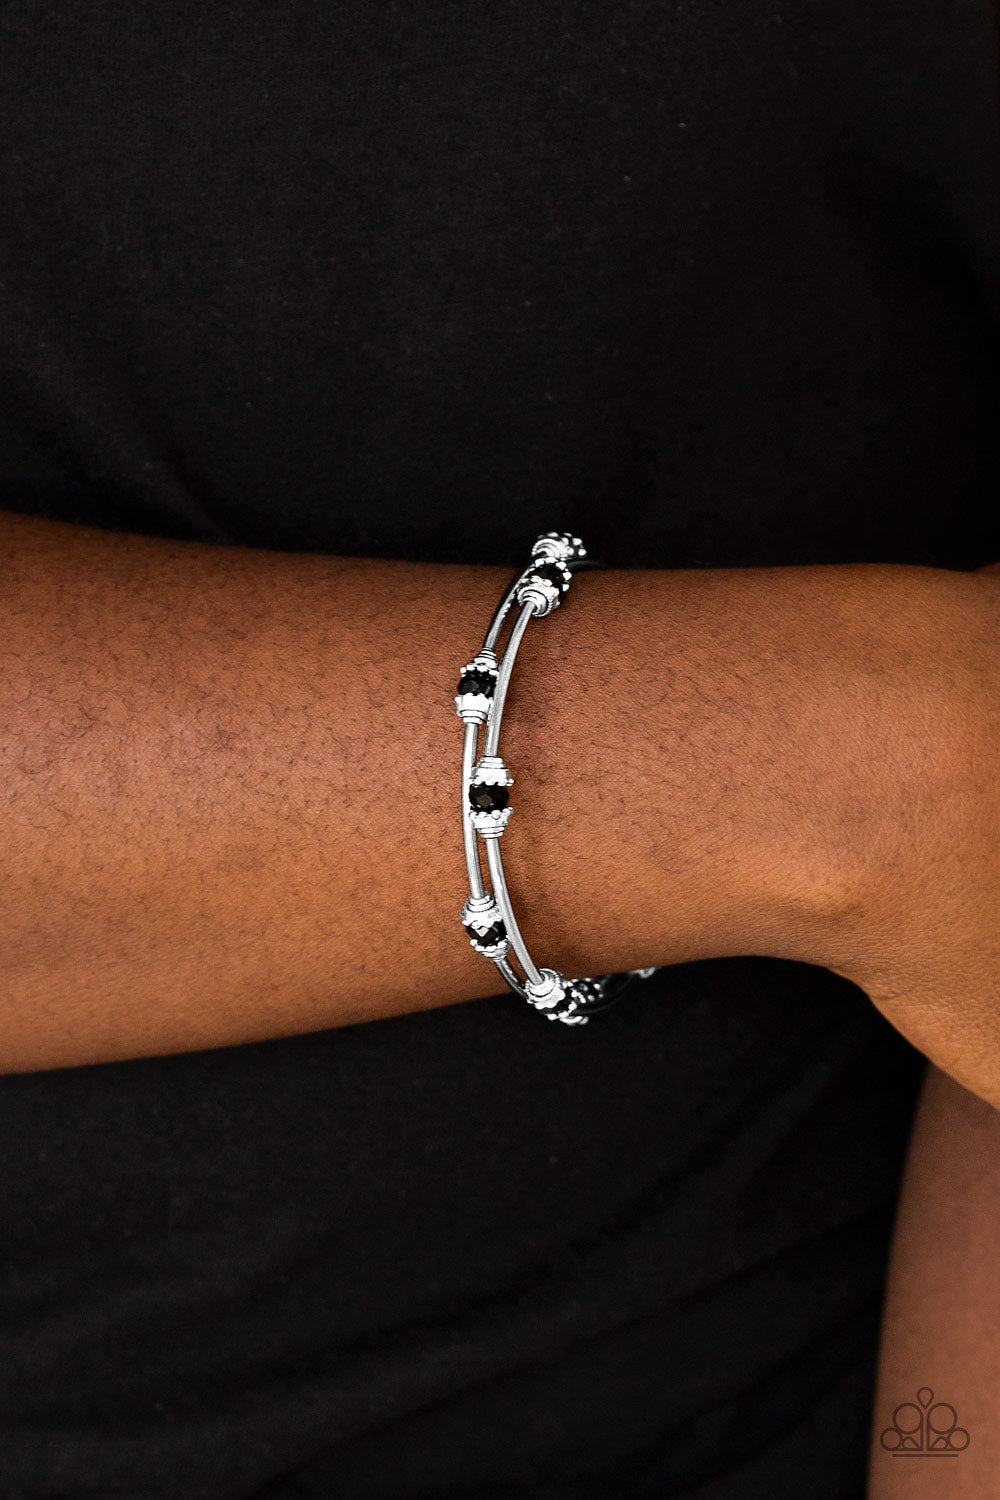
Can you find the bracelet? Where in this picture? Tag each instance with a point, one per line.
(487, 915)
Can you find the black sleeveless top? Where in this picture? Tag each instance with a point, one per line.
(708, 284)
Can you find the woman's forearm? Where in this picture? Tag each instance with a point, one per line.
(231, 780)
(941, 1324)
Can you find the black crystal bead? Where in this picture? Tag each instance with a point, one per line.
(491, 936)
(551, 572)
(488, 798)
(477, 681)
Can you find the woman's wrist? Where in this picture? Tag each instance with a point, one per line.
(800, 763)
(720, 762)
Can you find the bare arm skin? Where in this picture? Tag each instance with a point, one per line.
(941, 1319)
(941, 1326)
(230, 787)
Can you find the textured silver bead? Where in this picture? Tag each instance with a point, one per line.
(544, 584)
(473, 707)
(561, 545)
(480, 916)
(568, 1017)
(550, 993)
(557, 997)
(490, 771)
(479, 906)
(585, 992)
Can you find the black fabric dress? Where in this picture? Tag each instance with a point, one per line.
(709, 284)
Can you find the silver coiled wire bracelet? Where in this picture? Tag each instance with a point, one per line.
(487, 915)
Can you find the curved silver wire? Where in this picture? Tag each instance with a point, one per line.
(494, 858)
(473, 866)
(501, 896)
(506, 666)
(500, 613)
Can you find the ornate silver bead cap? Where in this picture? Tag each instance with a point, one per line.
(560, 545)
(488, 796)
(581, 995)
(544, 585)
(477, 685)
(586, 991)
(568, 1017)
(483, 921)
(479, 906)
(550, 994)
(556, 998)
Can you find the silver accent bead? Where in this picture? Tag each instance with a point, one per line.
(586, 991)
(483, 911)
(490, 825)
(490, 770)
(495, 950)
(550, 994)
(541, 593)
(479, 906)
(474, 708)
(560, 546)
(559, 998)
